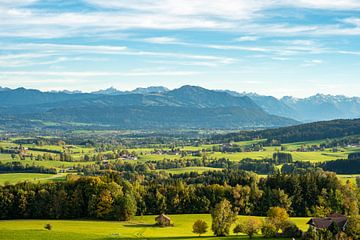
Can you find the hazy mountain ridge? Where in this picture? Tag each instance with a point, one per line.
(254, 107)
(314, 108)
(186, 107)
(323, 107)
(147, 90)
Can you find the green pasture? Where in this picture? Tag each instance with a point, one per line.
(318, 156)
(48, 163)
(13, 178)
(296, 145)
(190, 169)
(348, 177)
(139, 228)
(157, 157)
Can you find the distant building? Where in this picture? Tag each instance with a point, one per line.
(163, 220)
(328, 222)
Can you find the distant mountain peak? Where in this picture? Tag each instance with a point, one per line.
(108, 91)
(150, 90)
(190, 88)
(288, 99)
(66, 91)
(146, 90)
(4, 89)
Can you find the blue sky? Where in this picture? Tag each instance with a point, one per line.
(272, 47)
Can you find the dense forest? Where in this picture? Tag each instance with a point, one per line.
(299, 133)
(120, 195)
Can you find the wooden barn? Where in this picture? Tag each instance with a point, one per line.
(328, 222)
(163, 220)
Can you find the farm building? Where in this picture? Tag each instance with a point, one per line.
(328, 222)
(163, 220)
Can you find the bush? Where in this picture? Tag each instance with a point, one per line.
(290, 230)
(48, 226)
(319, 234)
(250, 227)
(278, 216)
(268, 229)
(353, 227)
(200, 227)
(237, 229)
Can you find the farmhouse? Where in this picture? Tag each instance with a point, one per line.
(328, 222)
(163, 220)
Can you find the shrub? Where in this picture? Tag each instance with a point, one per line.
(278, 216)
(319, 234)
(48, 226)
(200, 227)
(250, 227)
(353, 227)
(237, 229)
(268, 229)
(290, 230)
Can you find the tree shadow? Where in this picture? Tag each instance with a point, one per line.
(141, 225)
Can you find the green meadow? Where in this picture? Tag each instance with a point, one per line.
(48, 163)
(190, 169)
(348, 177)
(141, 227)
(145, 154)
(13, 178)
(268, 153)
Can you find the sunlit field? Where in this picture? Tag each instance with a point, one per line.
(139, 228)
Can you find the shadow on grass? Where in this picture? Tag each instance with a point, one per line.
(179, 238)
(141, 225)
(202, 237)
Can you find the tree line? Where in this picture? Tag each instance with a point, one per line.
(17, 167)
(120, 195)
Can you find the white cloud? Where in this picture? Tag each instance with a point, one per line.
(356, 53)
(227, 15)
(312, 62)
(247, 39)
(162, 40)
(323, 4)
(12, 74)
(317, 61)
(353, 21)
(230, 9)
(66, 49)
(234, 9)
(16, 2)
(300, 42)
(241, 48)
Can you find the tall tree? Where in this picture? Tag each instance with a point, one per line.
(126, 207)
(222, 218)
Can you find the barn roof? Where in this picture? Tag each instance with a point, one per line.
(326, 222)
(163, 216)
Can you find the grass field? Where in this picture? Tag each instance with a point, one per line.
(139, 228)
(5, 157)
(48, 163)
(190, 169)
(349, 177)
(13, 178)
(297, 156)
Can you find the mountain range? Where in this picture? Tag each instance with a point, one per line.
(319, 107)
(159, 107)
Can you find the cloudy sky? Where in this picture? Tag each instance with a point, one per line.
(273, 47)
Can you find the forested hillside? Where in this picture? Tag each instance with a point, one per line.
(298, 133)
